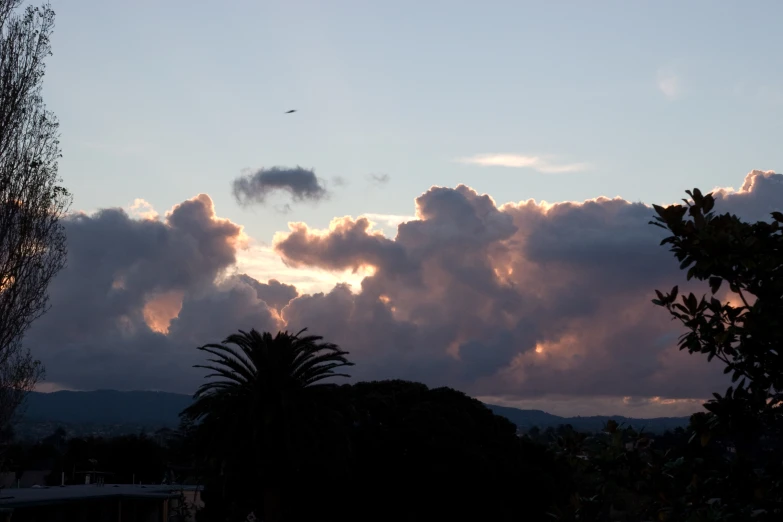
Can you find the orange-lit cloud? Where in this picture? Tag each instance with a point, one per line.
(159, 310)
(49, 387)
(524, 302)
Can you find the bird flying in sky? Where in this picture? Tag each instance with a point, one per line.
(289, 112)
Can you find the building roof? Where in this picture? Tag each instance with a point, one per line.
(28, 497)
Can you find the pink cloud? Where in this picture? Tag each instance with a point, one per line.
(524, 302)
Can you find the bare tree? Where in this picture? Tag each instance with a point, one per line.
(32, 202)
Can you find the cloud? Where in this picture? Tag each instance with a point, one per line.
(262, 263)
(539, 163)
(347, 245)
(142, 209)
(669, 84)
(49, 387)
(138, 295)
(275, 294)
(524, 303)
(379, 179)
(524, 299)
(300, 183)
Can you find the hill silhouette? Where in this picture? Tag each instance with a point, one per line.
(106, 407)
(152, 408)
(526, 419)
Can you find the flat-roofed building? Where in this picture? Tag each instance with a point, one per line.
(91, 503)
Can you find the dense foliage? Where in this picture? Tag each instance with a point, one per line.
(404, 452)
(744, 334)
(131, 458)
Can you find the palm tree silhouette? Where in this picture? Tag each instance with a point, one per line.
(260, 386)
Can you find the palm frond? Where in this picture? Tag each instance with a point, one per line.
(310, 382)
(259, 375)
(305, 351)
(229, 359)
(221, 372)
(320, 365)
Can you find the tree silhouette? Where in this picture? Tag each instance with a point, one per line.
(744, 333)
(728, 464)
(437, 454)
(32, 203)
(258, 398)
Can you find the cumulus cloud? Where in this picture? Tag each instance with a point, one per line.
(540, 163)
(524, 299)
(138, 295)
(274, 293)
(669, 83)
(300, 183)
(524, 303)
(348, 244)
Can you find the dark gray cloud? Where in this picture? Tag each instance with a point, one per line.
(350, 245)
(523, 301)
(138, 296)
(300, 183)
(274, 293)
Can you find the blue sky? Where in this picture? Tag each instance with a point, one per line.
(555, 101)
(163, 100)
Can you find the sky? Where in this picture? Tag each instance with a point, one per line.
(492, 131)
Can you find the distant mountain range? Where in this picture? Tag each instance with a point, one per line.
(110, 411)
(107, 407)
(526, 419)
